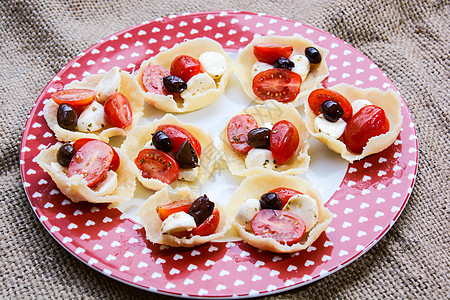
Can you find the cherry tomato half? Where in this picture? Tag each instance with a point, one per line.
(118, 111)
(167, 209)
(283, 226)
(279, 84)
(152, 79)
(368, 122)
(92, 161)
(284, 140)
(317, 97)
(115, 163)
(178, 135)
(268, 53)
(285, 194)
(208, 226)
(157, 164)
(74, 97)
(185, 67)
(237, 130)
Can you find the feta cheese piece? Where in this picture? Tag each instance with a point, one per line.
(259, 67)
(213, 63)
(360, 103)
(305, 207)
(198, 84)
(188, 174)
(108, 85)
(177, 222)
(247, 212)
(92, 118)
(334, 130)
(301, 65)
(258, 157)
(108, 185)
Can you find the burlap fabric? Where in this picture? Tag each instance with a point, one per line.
(409, 40)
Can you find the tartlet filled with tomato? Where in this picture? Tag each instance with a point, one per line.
(278, 213)
(100, 106)
(179, 218)
(282, 68)
(270, 136)
(354, 122)
(187, 77)
(170, 152)
(89, 170)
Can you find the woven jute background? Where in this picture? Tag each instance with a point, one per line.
(408, 40)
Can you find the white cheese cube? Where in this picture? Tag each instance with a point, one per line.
(257, 157)
(247, 212)
(188, 174)
(108, 85)
(198, 84)
(213, 63)
(301, 65)
(259, 67)
(92, 118)
(305, 207)
(108, 185)
(178, 222)
(360, 103)
(334, 130)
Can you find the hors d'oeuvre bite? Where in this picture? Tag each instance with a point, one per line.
(187, 77)
(99, 107)
(354, 122)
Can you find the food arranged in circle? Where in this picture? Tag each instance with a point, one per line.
(179, 218)
(354, 122)
(282, 68)
(100, 106)
(269, 136)
(187, 77)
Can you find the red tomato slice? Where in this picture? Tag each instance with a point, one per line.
(157, 164)
(268, 53)
(368, 122)
(284, 140)
(317, 97)
(92, 161)
(152, 79)
(167, 209)
(237, 130)
(115, 163)
(283, 226)
(74, 97)
(208, 226)
(185, 67)
(279, 84)
(178, 135)
(118, 111)
(285, 194)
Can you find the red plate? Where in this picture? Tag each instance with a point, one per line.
(369, 200)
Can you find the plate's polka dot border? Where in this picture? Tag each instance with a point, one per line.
(369, 200)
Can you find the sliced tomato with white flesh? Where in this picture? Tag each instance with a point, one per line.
(154, 163)
(118, 111)
(282, 226)
(284, 140)
(237, 132)
(92, 160)
(166, 210)
(115, 163)
(278, 84)
(285, 194)
(152, 79)
(178, 135)
(75, 97)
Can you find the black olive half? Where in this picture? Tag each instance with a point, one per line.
(66, 117)
(259, 137)
(331, 110)
(186, 156)
(162, 141)
(284, 63)
(65, 154)
(201, 209)
(174, 84)
(313, 55)
(270, 201)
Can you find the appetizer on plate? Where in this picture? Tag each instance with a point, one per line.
(187, 77)
(271, 136)
(168, 151)
(100, 106)
(279, 213)
(354, 122)
(281, 68)
(178, 218)
(89, 170)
